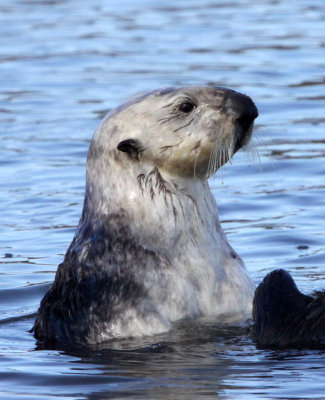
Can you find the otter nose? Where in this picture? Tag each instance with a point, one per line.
(243, 111)
(243, 108)
(247, 118)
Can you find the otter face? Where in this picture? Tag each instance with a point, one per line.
(186, 132)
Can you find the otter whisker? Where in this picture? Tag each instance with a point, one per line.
(209, 163)
(212, 164)
(168, 105)
(195, 163)
(221, 157)
(184, 126)
(210, 160)
(169, 118)
(252, 153)
(230, 149)
(215, 159)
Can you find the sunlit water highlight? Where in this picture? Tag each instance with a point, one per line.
(62, 66)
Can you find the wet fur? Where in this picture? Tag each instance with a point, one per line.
(149, 249)
(285, 317)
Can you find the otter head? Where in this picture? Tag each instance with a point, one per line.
(187, 132)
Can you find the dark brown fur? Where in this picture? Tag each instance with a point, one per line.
(87, 292)
(285, 317)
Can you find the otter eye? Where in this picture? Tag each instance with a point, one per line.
(186, 107)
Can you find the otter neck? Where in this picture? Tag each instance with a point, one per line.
(156, 208)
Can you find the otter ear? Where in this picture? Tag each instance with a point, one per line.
(130, 146)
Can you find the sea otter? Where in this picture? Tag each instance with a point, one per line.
(149, 248)
(285, 317)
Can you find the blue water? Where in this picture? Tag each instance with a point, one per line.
(63, 64)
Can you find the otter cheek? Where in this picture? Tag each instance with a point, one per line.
(186, 162)
(175, 162)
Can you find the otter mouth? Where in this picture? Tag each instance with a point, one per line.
(242, 138)
(244, 127)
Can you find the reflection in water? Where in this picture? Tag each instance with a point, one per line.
(117, 368)
(63, 65)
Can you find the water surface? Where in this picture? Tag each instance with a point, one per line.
(63, 65)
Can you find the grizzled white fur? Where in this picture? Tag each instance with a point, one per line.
(151, 221)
